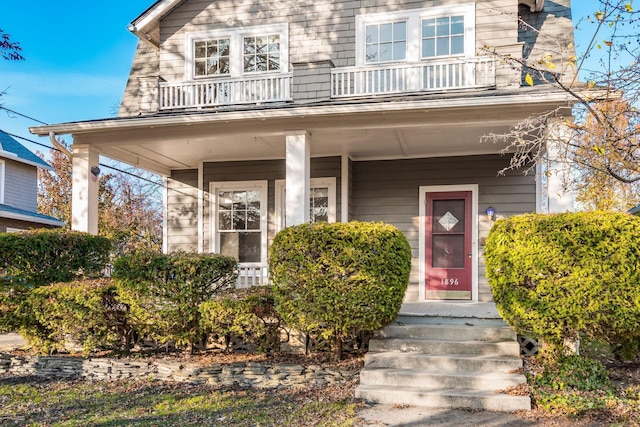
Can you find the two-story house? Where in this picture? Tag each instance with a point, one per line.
(19, 188)
(262, 114)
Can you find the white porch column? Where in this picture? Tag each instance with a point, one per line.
(84, 200)
(559, 172)
(298, 159)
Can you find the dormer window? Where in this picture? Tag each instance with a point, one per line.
(416, 35)
(237, 51)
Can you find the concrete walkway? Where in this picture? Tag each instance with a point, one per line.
(481, 310)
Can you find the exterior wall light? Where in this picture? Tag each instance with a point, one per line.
(491, 212)
(95, 171)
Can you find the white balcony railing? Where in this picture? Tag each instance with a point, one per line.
(215, 92)
(252, 275)
(463, 73)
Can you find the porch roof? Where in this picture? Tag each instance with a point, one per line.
(379, 128)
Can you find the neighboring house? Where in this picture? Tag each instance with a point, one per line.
(19, 188)
(262, 114)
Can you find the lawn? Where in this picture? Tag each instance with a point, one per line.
(31, 402)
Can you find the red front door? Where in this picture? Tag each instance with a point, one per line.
(448, 245)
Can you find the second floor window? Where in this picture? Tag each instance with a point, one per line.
(232, 52)
(212, 57)
(386, 42)
(416, 35)
(262, 53)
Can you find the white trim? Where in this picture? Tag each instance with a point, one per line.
(200, 208)
(263, 186)
(414, 17)
(523, 98)
(13, 230)
(2, 182)
(235, 36)
(165, 214)
(474, 233)
(344, 188)
(538, 187)
(328, 182)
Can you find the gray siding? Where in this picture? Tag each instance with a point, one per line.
(389, 191)
(269, 170)
(20, 185)
(141, 93)
(182, 211)
(322, 35)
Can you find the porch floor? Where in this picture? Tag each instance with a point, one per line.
(480, 310)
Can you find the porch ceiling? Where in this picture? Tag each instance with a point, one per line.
(180, 143)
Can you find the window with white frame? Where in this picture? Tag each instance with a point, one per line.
(237, 51)
(415, 35)
(239, 216)
(322, 201)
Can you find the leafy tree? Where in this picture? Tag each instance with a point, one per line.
(602, 131)
(9, 50)
(128, 210)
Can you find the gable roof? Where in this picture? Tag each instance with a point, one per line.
(13, 150)
(10, 212)
(147, 25)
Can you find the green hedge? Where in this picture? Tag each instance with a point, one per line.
(74, 313)
(40, 257)
(31, 259)
(562, 276)
(340, 279)
(247, 315)
(164, 292)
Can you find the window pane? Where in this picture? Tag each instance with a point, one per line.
(457, 45)
(223, 66)
(201, 48)
(372, 53)
(385, 52)
(448, 251)
(224, 46)
(399, 31)
(224, 221)
(240, 220)
(372, 34)
(442, 46)
(386, 33)
(249, 45)
(428, 48)
(225, 198)
(274, 62)
(399, 50)
(261, 44)
(261, 63)
(457, 25)
(428, 28)
(212, 48)
(239, 200)
(249, 63)
(201, 67)
(253, 199)
(274, 43)
(442, 28)
(250, 247)
(451, 214)
(253, 219)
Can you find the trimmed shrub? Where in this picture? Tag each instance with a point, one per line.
(164, 292)
(31, 259)
(73, 314)
(562, 276)
(41, 257)
(340, 279)
(247, 315)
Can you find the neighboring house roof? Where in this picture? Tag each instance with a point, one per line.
(13, 150)
(23, 215)
(635, 211)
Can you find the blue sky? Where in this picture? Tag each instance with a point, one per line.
(78, 57)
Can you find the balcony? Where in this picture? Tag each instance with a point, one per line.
(217, 92)
(431, 76)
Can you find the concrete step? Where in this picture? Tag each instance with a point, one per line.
(436, 380)
(446, 362)
(429, 346)
(449, 332)
(444, 398)
(405, 319)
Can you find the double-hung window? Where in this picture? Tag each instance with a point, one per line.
(322, 201)
(415, 35)
(237, 51)
(239, 220)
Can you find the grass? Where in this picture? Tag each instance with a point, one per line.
(27, 401)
